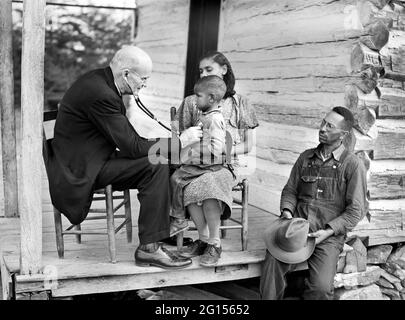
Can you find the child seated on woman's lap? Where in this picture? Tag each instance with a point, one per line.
(199, 158)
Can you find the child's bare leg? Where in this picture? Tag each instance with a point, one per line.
(197, 215)
(198, 247)
(212, 212)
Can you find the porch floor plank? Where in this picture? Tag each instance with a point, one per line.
(86, 268)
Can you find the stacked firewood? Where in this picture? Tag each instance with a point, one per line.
(373, 273)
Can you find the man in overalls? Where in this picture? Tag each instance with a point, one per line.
(327, 187)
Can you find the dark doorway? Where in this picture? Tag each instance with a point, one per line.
(202, 36)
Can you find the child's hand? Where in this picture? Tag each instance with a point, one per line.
(190, 136)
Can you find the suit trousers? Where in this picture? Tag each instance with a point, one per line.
(322, 270)
(152, 183)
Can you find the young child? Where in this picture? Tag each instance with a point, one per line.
(198, 159)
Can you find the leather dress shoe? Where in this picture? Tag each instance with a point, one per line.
(172, 241)
(162, 258)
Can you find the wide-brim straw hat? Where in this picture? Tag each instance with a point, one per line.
(287, 240)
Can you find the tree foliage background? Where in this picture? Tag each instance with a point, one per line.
(74, 44)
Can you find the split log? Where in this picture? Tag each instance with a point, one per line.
(392, 103)
(378, 35)
(384, 224)
(390, 142)
(369, 13)
(378, 254)
(380, 221)
(398, 60)
(389, 83)
(368, 80)
(387, 179)
(392, 75)
(362, 57)
(364, 117)
(283, 143)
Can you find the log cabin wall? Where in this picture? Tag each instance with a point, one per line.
(162, 33)
(294, 60)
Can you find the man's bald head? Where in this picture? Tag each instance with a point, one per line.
(132, 58)
(131, 67)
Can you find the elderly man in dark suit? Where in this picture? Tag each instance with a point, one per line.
(95, 145)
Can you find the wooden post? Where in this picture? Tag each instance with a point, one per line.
(32, 100)
(8, 133)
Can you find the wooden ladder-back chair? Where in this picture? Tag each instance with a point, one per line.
(104, 194)
(241, 204)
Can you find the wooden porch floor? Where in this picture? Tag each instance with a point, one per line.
(86, 268)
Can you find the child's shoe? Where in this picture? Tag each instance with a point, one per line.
(196, 249)
(211, 256)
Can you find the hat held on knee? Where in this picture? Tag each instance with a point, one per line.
(287, 240)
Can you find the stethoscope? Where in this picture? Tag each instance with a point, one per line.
(145, 109)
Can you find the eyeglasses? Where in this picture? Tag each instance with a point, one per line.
(329, 126)
(143, 79)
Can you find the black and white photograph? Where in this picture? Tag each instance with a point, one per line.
(198, 158)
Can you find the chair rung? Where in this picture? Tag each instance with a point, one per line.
(237, 201)
(97, 211)
(103, 198)
(83, 232)
(236, 221)
(121, 225)
(105, 211)
(104, 217)
(237, 206)
(119, 206)
(231, 227)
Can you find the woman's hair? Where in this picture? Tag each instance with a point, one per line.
(229, 77)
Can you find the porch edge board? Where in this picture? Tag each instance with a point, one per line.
(73, 287)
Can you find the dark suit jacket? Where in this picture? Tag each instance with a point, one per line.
(90, 125)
